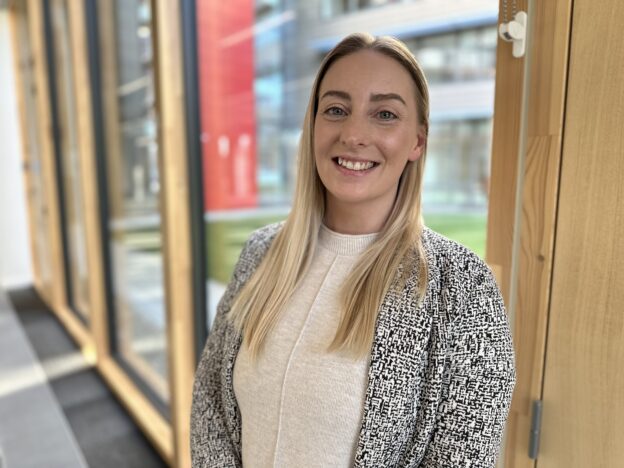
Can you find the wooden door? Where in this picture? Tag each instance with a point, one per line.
(526, 157)
(583, 395)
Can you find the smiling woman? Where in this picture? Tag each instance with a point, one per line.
(350, 334)
(365, 133)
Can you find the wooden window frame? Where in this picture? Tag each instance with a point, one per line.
(24, 74)
(55, 294)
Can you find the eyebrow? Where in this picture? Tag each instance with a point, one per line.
(374, 97)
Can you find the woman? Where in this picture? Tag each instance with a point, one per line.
(350, 334)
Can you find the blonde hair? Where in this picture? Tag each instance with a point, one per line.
(389, 261)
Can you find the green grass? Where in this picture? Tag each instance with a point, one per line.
(147, 240)
(467, 229)
(225, 239)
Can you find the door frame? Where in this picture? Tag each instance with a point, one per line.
(526, 162)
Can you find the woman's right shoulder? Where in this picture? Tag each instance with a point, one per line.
(261, 239)
(256, 247)
(251, 255)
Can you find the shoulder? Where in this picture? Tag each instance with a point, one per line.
(251, 255)
(457, 276)
(465, 301)
(255, 248)
(260, 240)
(452, 259)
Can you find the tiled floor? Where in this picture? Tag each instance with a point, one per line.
(96, 424)
(33, 429)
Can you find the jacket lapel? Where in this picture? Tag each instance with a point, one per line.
(398, 365)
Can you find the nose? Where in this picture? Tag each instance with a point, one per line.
(355, 132)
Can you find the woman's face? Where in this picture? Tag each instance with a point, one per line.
(365, 131)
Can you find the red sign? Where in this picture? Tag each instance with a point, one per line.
(227, 102)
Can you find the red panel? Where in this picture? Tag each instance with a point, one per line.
(227, 107)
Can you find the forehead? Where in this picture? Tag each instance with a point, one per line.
(368, 70)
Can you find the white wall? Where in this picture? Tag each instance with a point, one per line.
(15, 265)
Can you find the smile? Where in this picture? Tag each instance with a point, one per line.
(354, 166)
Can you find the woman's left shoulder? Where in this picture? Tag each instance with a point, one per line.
(456, 270)
(448, 254)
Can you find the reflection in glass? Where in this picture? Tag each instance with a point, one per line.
(330, 8)
(71, 172)
(257, 60)
(133, 190)
(457, 56)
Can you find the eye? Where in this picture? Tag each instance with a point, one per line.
(334, 111)
(386, 115)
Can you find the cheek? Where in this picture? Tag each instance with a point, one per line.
(316, 137)
(392, 146)
(396, 147)
(321, 139)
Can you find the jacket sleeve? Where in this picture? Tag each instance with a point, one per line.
(215, 431)
(212, 444)
(476, 395)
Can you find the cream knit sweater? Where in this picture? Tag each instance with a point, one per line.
(300, 405)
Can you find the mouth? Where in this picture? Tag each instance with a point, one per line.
(354, 166)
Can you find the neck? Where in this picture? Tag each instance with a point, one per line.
(351, 218)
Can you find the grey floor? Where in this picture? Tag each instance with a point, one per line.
(66, 415)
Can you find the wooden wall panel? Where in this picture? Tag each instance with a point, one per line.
(583, 406)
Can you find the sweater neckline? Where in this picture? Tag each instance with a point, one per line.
(345, 244)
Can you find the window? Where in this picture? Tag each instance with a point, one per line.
(133, 221)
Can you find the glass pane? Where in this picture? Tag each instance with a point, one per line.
(70, 168)
(133, 190)
(257, 61)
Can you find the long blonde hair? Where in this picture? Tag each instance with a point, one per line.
(389, 261)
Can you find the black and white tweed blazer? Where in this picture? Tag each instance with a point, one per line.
(440, 379)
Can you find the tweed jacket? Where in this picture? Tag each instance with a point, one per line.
(440, 379)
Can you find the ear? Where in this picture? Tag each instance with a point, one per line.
(419, 145)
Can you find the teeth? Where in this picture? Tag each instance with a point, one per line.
(357, 166)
